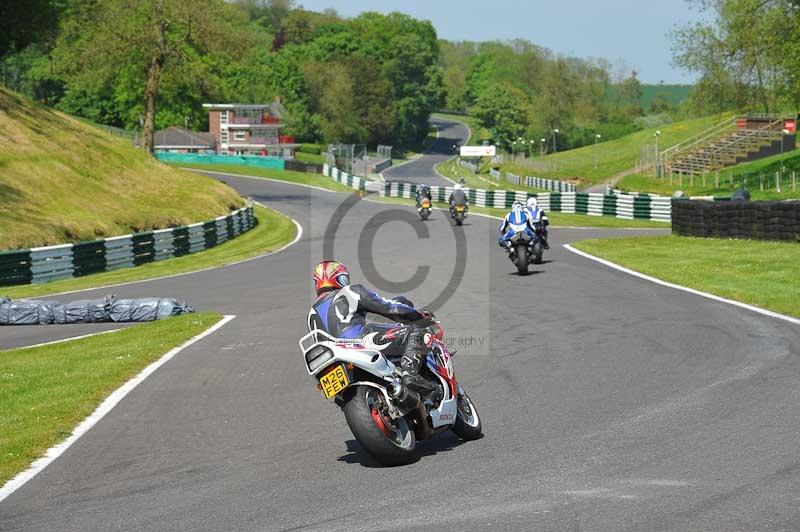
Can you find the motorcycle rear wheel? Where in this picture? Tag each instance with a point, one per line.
(538, 249)
(522, 259)
(424, 214)
(459, 219)
(390, 441)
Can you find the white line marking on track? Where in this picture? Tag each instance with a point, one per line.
(105, 407)
(266, 179)
(682, 288)
(296, 239)
(65, 339)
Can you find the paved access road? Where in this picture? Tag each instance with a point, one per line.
(421, 170)
(609, 404)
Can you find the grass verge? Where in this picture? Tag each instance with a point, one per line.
(287, 176)
(45, 392)
(557, 219)
(751, 175)
(273, 231)
(756, 272)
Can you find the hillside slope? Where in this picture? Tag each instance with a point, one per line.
(65, 181)
(593, 164)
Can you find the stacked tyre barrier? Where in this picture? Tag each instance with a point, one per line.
(343, 177)
(759, 220)
(51, 263)
(656, 208)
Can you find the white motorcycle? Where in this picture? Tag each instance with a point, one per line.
(365, 383)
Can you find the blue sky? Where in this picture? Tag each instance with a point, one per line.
(633, 31)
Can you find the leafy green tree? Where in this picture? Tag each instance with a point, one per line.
(660, 104)
(503, 109)
(152, 42)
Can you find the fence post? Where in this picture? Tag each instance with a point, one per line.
(704, 180)
(716, 181)
(794, 181)
(778, 181)
(761, 182)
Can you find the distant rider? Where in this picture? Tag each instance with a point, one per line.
(538, 219)
(518, 216)
(457, 197)
(341, 309)
(423, 191)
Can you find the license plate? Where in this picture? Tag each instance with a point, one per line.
(334, 381)
(426, 204)
(459, 208)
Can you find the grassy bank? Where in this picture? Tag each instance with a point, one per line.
(45, 392)
(62, 180)
(759, 273)
(273, 231)
(614, 156)
(751, 175)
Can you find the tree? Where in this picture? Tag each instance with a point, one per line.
(503, 109)
(660, 104)
(150, 40)
(24, 22)
(749, 44)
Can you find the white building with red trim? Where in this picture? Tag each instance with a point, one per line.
(250, 129)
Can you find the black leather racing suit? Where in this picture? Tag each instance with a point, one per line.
(342, 314)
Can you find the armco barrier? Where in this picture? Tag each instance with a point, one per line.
(257, 161)
(655, 208)
(761, 220)
(343, 178)
(50, 263)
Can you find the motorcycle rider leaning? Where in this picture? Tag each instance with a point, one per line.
(341, 309)
(518, 216)
(457, 197)
(538, 217)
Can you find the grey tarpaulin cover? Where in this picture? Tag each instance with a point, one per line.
(34, 312)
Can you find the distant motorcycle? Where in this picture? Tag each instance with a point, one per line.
(459, 212)
(523, 249)
(364, 381)
(424, 209)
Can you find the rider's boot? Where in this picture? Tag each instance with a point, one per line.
(411, 362)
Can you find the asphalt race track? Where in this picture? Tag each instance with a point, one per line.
(421, 170)
(609, 403)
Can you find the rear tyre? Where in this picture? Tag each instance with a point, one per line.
(390, 441)
(522, 259)
(468, 423)
(538, 249)
(424, 214)
(459, 219)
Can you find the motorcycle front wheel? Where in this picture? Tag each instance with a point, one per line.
(468, 422)
(390, 441)
(424, 214)
(459, 219)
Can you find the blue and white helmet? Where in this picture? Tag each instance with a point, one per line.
(532, 203)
